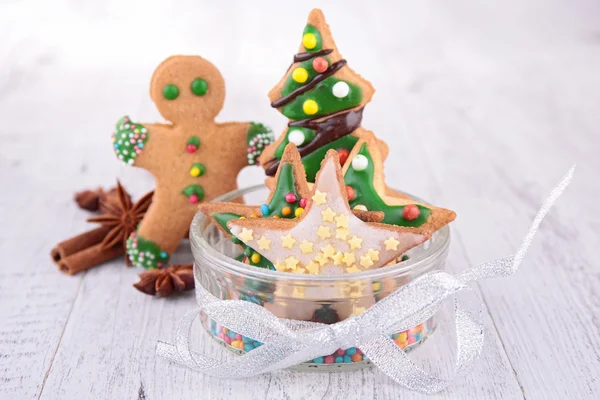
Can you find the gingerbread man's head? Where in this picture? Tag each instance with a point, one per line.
(187, 89)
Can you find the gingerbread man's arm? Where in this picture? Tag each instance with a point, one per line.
(244, 142)
(139, 144)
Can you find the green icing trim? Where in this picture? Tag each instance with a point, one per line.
(145, 253)
(129, 140)
(200, 167)
(365, 194)
(322, 94)
(194, 190)
(309, 135)
(222, 219)
(286, 183)
(195, 140)
(258, 136)
(312, 161)
(311, 29)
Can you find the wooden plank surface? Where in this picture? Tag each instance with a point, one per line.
(484, 107)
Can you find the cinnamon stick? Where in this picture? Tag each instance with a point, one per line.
(78, 243)
(88, 258)
(84, 251)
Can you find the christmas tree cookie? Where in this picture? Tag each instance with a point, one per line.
(287, 201)
(366, 190)
(192, 158)
(322, 97)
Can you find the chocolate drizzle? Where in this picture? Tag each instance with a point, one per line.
(307, 56)
(327, 130)
(333, 68)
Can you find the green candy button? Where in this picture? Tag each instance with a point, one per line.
(199, 87)
(170, 92)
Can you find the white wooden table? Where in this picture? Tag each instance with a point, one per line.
(484, 105)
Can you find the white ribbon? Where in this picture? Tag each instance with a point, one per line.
(289, 342)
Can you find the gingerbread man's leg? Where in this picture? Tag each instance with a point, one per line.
(170, 212)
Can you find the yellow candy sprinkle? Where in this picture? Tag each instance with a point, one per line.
(195, 172)
(310, 107)
(255, 258)
(298, 211)
(309, 41)
(286, 211)
(300, 75)
(253, 215)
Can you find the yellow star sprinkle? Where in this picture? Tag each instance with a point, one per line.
(319, 197)
(342, 221)
(366, 261)
(337, 258)
(306, 246)
(355, 242)
(348, 259)
(328, 215)
(299, 270)
(323, 232)
(279, 267)
(264, 243)
(373, 254)
(391, 244)
(341, 233)
(287, 242)
(245, 235)
(353, 268)
(321, 259)
(313, 268)
(328, 251)
(291, 262)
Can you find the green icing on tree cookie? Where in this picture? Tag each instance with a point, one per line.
(300, 136)
(145, 253)
(312, 161)
(327, 102)
(284, 204)
(129, 140)
(365, 194)
(222, 219)
(311, 39)
(258, 136)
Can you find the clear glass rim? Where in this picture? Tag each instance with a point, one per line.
(203, 250)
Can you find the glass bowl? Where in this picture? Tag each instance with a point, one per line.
(319, 298)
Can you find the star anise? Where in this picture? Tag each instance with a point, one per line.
(93, 200)
(164, 281)
(122, 216)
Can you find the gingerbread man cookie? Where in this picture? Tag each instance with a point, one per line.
(192, 158)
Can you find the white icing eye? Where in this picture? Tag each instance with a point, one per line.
(296, 136)
(360, 162)
(340, 90)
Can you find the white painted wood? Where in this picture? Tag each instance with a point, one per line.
(484, 107)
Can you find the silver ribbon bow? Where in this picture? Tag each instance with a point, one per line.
(289, 342)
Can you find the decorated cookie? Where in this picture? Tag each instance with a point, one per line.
(328, 238)
(366, 190)
(323, 98)
(287, 201)
(193, 158)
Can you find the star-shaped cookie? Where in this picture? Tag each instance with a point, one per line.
(286, 201)
(328, 238)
